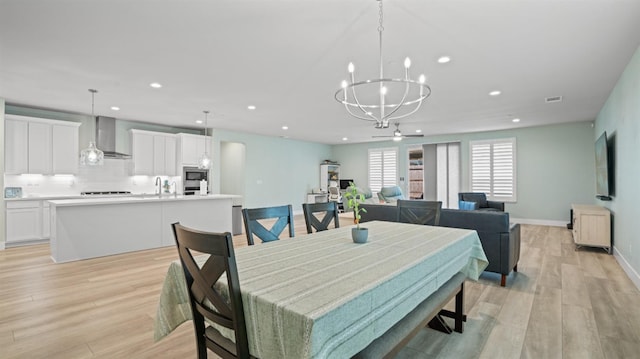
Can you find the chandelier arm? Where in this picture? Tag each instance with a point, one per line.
(408, 114)
(357, 102)
(401, 103)
(346, 106)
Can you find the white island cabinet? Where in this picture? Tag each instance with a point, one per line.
(89, 228)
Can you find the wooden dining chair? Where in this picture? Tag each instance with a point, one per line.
(419, 212)
(283, 216)
(205, 297)
(329, 212)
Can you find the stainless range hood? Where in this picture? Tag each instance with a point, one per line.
(106, 137)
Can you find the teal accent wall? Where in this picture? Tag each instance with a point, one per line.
(555, 166)
(620, 117)
(278, 170)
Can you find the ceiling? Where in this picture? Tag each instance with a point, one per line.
(288, 57)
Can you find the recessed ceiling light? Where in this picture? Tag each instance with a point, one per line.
(199, 121)
(418, 131)
(494, 93)
(515, 120)
(345, 139)
(155, 85)
(115, 108)
(251, 107)
(285, 127)
(444, 59)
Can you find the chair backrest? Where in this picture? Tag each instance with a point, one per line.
(419, 212)
(330, 211)
(479, 197)
(334, 194)
(204, 294)
(283, 216)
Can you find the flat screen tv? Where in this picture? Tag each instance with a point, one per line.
(602, 168)
(344, 183)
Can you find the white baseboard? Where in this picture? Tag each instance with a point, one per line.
(539, 222)
(633, 275)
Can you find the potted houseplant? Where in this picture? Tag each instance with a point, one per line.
(354, 199)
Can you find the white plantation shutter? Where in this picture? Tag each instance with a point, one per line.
(383, 168)
(493, 168)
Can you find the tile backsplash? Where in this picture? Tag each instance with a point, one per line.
(114, 175)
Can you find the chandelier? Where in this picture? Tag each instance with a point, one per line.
(92, 156)
(383, 99)
(205, 161)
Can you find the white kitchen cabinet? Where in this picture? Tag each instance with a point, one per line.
(40, 146)
(164, 155)
(64, 149)
(142, 152)
(591, 226)
(39, 153)
(23, 221)
(16, 146)
(191, 147)
(154, 153)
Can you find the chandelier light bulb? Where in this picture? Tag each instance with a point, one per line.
(422, 79)
(383, 90)
(344, 84)
(351, 68)
(407, 63)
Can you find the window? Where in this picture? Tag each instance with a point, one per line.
(383, 168)
(493, 168)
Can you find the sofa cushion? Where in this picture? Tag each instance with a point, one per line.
(467, 206)
(479, 198)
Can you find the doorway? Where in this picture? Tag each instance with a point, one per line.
(232, 168)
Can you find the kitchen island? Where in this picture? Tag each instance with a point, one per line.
(96, 227)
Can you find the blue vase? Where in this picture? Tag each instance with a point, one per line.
(359, 235)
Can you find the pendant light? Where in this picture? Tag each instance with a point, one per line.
(396, 97)
(205, 161)
(92, 156)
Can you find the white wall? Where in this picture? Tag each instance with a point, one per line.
(620, 117)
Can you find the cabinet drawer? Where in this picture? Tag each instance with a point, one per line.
(22, 204)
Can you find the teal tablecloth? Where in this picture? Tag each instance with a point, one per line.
(323, 296)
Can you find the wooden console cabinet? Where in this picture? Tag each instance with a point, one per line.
(591, 226)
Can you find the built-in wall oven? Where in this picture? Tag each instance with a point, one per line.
(191, 177)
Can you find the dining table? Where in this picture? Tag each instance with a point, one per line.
(323, 296)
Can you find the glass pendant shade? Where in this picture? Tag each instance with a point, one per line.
(91, 156)
(205, 162)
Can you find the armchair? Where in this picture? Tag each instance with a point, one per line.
(390, 194)
(481, 199)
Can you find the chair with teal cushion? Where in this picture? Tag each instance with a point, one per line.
(390, 194)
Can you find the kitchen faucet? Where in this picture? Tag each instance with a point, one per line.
(159, 186)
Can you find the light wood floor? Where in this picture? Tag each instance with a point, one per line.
(562, 304)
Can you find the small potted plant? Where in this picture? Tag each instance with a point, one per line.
(354, 199)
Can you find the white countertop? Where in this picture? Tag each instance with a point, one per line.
(89, 201)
